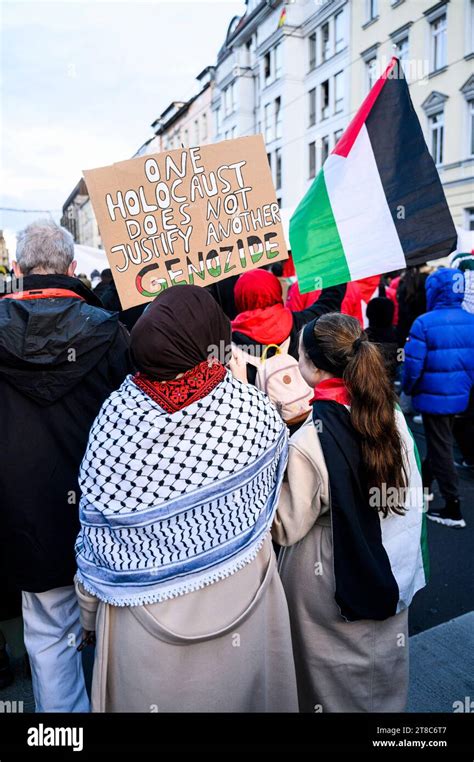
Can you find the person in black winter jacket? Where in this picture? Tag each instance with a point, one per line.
(382, 332)
(411, 295)
(61, 355)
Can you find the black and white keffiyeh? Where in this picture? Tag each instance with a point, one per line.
(172, 502)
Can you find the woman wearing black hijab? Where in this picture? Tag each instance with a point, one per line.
(176, 572)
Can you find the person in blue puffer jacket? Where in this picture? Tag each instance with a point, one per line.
(439, 374)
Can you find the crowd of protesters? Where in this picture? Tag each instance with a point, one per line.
(154, 503)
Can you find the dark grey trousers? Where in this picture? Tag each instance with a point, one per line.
(439, 461)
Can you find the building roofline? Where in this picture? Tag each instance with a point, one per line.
(205, 71)
(79, 189)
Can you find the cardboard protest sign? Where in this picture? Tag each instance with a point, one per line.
(194, 215)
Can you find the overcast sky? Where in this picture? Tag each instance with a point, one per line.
(82, 82)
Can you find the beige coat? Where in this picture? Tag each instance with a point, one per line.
(225, 648)
(340, 666)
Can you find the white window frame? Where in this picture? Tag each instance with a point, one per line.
(438, 60)
(325, 109)
(278, 119)
(312, 159)
(339, 41)
(277, 61)
(325, 45)
(469, 218)
(403, 56)
(312, 50)
(312, 107)
(278, 169)
(339, 77)
(372, 10)
(470, 28)
(371, 72)
(470, 115)
(267, 78)
(324, 142)
(268, 122)
(436, 125)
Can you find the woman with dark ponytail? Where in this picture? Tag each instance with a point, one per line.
(351, 520)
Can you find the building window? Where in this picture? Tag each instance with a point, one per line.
(371, 10)
(312, 51)
(277, 60)
(204, 126)
(218, 120)
(338, 92)
(186, 138)
(278, 117)
(325, 99)
(402, 46)
(371, 72)
(269, 157)
(233, 132)
(436, 125)
(438, 43)
(229, 99)
(469, 216)
(312, 107)
(312, 159)
(272, 65)
(324, 148)
(471, 127)
(196, 132)
(339, 31)
(267, 67)
(337, 136)
(324, 42)
(278, 168)
(268, 122)
(470, 46)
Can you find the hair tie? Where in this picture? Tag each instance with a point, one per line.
(356, 344)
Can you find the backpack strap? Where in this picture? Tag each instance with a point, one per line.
(249, 358)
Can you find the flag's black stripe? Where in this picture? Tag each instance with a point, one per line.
(365, 585)
(409, 176)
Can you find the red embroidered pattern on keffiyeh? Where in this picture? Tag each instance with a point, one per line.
(193, 385)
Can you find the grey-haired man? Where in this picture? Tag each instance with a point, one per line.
(61, 355)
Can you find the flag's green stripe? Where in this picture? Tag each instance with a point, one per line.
(424, 534)
(315, 243)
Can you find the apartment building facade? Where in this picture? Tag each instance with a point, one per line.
(297, 71)
(282, 72)
(435, 42)
(184, 123)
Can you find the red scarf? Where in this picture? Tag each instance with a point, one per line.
(43, 293)
(332, 389)
(262, 316)
(271, 325)
(193, 385)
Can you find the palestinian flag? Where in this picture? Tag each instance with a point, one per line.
(377, 204)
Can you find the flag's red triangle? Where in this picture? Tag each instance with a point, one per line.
(346, 141)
